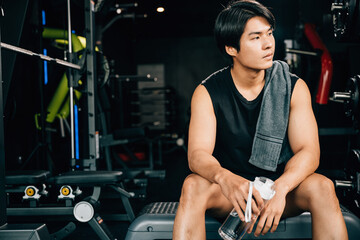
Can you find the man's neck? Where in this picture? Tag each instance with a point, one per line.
(247, 78)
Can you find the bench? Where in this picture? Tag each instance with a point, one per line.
(155, 221)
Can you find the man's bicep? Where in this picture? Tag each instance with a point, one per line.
(202, 129)
(303, 131)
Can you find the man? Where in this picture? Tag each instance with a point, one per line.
(245, 120)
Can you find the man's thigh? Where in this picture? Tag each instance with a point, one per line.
(297, 201)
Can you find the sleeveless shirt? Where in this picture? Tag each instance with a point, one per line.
(236, 119)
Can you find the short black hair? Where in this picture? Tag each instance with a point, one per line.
(231, 21)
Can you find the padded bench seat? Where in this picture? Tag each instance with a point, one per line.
(88, 178)
(26, 177)
(93, 178)
(156, 221)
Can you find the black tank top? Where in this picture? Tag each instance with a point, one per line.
(236, 124)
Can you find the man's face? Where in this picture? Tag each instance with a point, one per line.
(257, 45)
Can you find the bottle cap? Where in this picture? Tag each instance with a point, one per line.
(265, 186)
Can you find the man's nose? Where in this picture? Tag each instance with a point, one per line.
(268, 42)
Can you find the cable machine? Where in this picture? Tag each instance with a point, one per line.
(89, 163)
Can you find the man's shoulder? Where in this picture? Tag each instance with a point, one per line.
(218, 75)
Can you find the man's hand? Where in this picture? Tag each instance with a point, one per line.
(236, 189)
(271, 214)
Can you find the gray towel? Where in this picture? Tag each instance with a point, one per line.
(270, 135)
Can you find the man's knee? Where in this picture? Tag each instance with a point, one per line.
(191, 186)
(194, 189)
(321, 191)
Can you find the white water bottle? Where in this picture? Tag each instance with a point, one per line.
(233, 228)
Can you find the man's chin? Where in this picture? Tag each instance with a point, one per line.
(269, 65)
(266, 65)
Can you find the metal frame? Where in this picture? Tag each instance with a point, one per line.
(90, 164)
(91, 72)
(2, 149)
(51, 210)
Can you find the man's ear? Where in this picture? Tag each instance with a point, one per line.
(231, 51)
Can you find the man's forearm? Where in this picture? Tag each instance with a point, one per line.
(204, 164)
(298, 168)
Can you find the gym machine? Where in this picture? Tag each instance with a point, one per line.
(346, 28)
(351, 184)
(34, 183)
(8, 231)
(345, 15)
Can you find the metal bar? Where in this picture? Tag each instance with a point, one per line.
(344, 184)
(289, 50)
(126, 5)
(40, 211)
(102, 234)
(122, 191)
(71, 87)
(41, 56)
(129, 78)
(337, 131)
(128, 208)
(96, 193)
(69, 26)
(108, 140)
(341, 96)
